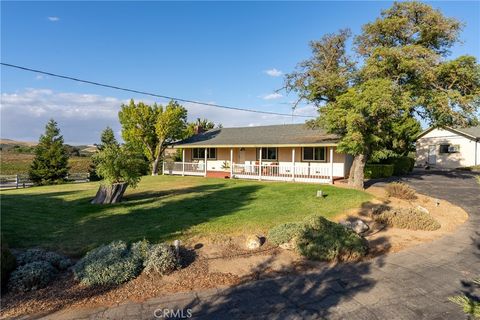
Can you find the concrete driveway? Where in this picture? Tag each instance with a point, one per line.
(414, 284)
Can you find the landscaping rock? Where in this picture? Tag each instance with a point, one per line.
(420, 208)
(253, 242)
(358, 226)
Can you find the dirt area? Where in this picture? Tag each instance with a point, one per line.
(224, 261)
(382, 240)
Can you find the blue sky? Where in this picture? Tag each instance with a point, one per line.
(217, 52)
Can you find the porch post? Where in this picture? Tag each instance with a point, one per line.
(293, 163)
(183, 161)
(231, 162)
(331, 165)
(260, 165)
(205, 173)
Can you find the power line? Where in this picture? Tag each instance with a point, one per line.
(151, 94)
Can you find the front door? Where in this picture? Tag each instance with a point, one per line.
(241, 156)
(432, 154)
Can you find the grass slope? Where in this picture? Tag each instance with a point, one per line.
(161, 208)
(19, 163)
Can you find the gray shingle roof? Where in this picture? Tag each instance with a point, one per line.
(472, 131)
(275, 135)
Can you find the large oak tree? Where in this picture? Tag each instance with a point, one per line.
(402, 74)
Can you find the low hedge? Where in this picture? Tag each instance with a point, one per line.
(376, 171)
(402, 165)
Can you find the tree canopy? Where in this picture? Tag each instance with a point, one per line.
(50, 164)
(401, 74)
(205, 124)
(151, 128)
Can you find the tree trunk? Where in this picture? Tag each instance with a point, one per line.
(110, 194)
(357, 176)
(155, 166)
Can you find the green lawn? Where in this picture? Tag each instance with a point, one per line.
(160, 208)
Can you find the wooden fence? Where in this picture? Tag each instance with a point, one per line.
(22, 180)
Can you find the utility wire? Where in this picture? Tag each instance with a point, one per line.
(151, 94)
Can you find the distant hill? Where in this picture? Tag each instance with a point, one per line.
(10, 145)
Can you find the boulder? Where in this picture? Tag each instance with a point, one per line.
(422, 209)
(253, 242)
(357, 225)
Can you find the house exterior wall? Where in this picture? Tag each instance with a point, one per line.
(468, 155)
(341, 165)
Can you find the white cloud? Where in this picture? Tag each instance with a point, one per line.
(272, 96)
(53, 18)
(273, 72)
(82, 117)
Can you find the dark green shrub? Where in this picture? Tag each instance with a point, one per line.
(400, 190)
(58, 261)
(7, 263)
(402, 165)
(161, 259)
(407, 218)
(283, 233)
(107, 265)
(376, 171)
(322, 239)
(140, 250)
(31, 276)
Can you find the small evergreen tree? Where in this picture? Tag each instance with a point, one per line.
(107, 138)
(50, 164)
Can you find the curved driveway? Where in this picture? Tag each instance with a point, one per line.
(413, 284)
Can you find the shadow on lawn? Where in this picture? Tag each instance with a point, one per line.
(75, 226)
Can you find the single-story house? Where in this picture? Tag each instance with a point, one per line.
(292, 152)
(448, 147)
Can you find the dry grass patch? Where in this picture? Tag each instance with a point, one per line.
(401, 191)
(407, 218)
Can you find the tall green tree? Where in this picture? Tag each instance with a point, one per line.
(151, 128)
(404, 53)
(50, 164)
(107, 138)
(120, 167)
(205, 124)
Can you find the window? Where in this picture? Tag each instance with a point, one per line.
(314, 154)
(267, 153)
(448, 148)
(199, 153)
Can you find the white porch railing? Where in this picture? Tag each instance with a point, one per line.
(184, 168)
(318, 174)
(282, 173)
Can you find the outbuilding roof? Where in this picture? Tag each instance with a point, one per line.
(470, 132)
(261, 136)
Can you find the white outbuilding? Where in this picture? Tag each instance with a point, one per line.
(448, 147)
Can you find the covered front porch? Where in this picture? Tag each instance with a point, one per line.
(317, 164)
